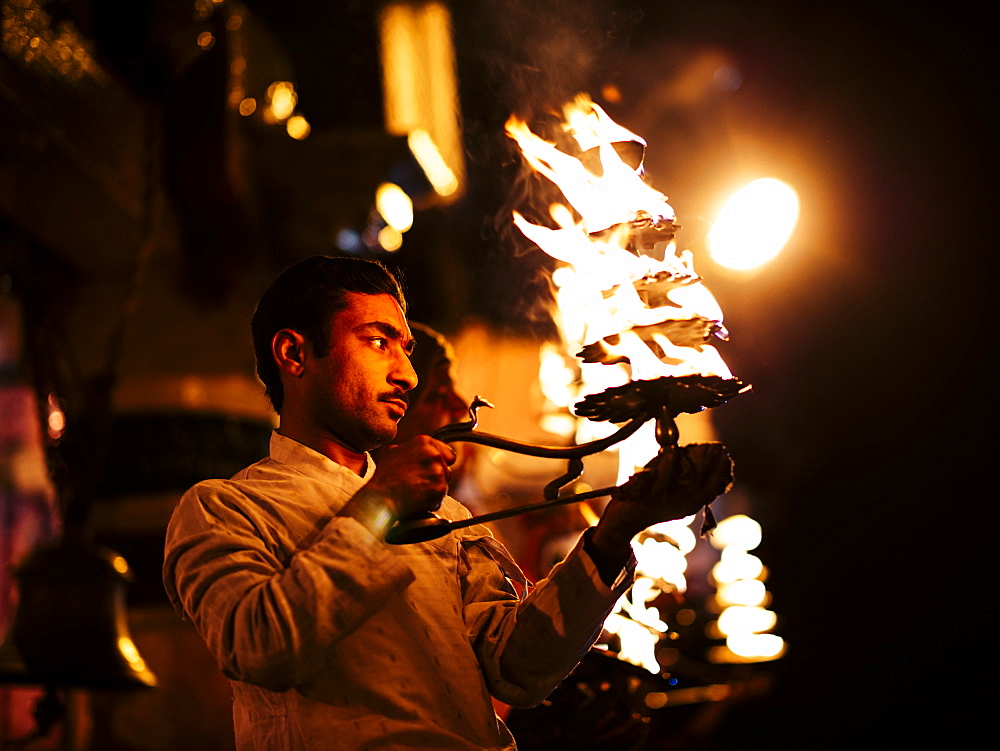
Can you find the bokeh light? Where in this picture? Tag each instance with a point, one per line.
(395, 206)
(282, 100)
(390, 239)
(738, 531)
(754, 225)
(298, 127)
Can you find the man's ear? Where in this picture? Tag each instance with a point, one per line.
(288, 347)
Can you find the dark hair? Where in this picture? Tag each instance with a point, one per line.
(305, 297)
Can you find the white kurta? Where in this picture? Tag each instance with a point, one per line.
(334, 639)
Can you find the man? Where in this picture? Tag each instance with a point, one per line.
(332, 638)
(433, 402)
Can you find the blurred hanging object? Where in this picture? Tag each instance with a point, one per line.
(420, 91)
(70, 628)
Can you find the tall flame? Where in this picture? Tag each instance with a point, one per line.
(628, 299)
(644, 305)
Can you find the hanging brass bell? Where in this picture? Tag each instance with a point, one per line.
(70, 628)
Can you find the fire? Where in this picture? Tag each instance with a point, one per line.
(633, 307)
(644, 303)
(626, 296)
(601, 187)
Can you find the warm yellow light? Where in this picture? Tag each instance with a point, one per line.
(120, 564)
(664, 559)
(738, 531)
(757, 646)
(751, 648)
(248, 106)
(557, 381)
(56, 419)
(679, 531)
(561, 215)
(57, 423)
(644, 591)
(298, 127)
(737, 564)
(128, 649)
(206, 40)
(395, 206)
(390, 239)
(420, 88)
(754, 225)
(656, 700)
(428, 156)
(283, 99)
(638, 643)
(555, 378)
(740, 619)
(747, 592)
(563, 276)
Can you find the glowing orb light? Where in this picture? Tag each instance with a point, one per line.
(754, 225)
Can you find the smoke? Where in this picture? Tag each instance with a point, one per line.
(543, 52)
(533, 56)
(528, 58)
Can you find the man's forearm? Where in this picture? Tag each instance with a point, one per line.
(609, 553)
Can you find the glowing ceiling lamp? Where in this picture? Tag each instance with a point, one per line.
(420, 89)
(754, 225)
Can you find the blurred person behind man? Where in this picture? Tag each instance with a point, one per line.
(435, 402)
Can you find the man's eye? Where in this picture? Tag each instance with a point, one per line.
(380, 342)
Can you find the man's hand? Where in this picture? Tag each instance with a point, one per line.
(410, 479)
(675, 484)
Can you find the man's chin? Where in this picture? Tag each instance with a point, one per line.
(385, 435)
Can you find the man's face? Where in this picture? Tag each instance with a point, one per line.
(357, 391)
(437, 405)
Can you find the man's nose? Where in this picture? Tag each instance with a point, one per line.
(403, 374)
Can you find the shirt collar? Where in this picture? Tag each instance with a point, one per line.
(311, 462)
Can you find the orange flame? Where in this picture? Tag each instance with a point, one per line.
(629, 299)
(641, 303)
